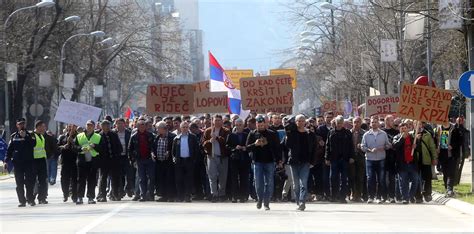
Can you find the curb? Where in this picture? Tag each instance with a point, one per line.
(452, 203)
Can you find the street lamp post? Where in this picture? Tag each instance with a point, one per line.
(61, 59)
(5, 25)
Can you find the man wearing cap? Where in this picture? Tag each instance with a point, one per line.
(20, 152)
(165, 185)
(111, 148)
(263, 146)
(87, 144)
(40, 171)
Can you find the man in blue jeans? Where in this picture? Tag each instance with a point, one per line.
(374, 143)
(403, 144)
(339, 153)
(301, 152)
(264, 148)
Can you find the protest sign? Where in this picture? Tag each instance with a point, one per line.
(289, 72)
(267, 93)
(76, 113)
(170, 99)
(337, 107)
(381, 105)
(424, 103)
(208, 102)
(236, 75)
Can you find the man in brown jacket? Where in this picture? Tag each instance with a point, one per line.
(214, 139)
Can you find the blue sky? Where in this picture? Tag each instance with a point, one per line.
(248, 34)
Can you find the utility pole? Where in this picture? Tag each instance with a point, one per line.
(400, 43)
(470, 45)
(428, 45)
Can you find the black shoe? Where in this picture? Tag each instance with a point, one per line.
(418, 201)
(22, 205)
(234, 200)
(91, 201)
(162, 199)
(428, 198)
(65, 199)
(405, 202)
(102, 199)
(32, 203)
(136, 198)
(302, 207)
(214, 199)
(188, 200)
(267, 207)
(243, 200)
(142, 200)
(259, 205)
(343, 201)
(43, 202)
(130, 193)
(79, 201)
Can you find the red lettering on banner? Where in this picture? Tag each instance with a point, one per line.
(153, 91)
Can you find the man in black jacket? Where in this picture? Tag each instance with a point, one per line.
(339, 153)
(20, 152)
(184, 151)
(141, 150)
(164, 181)
(407, 164)
(390, 170)
(263, 145)
(127, 180)
(239, 162)
(301, 155)
(68, 163)
(110, 163)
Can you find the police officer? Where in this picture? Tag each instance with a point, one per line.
(40, 171)
(20, 152)
(88, 145)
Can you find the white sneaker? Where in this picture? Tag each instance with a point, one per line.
(370, 201)
(378, 201)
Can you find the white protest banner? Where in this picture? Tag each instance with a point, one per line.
(76, 113)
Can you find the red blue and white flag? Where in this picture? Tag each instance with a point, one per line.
(221, 83)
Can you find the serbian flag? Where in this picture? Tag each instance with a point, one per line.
(221, 83)
(129, 113)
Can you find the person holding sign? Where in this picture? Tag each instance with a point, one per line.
(425, 151)
(87, 144)
(407, 164)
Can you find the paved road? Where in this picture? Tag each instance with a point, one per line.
(206, 217)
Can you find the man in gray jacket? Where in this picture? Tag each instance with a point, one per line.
(374, 143)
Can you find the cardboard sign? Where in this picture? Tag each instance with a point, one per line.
(208, 102)
(76, 113)
(381, 105)
(337, 107)
(290, 72)
(267, 93)
(424, 103)
(236, 75)
(170, 99)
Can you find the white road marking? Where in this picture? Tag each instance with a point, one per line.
(103, 218)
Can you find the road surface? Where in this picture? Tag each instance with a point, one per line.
(129, 216)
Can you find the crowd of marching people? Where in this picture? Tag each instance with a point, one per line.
(265, 158)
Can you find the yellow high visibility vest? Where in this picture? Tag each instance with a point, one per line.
(83, 141)
(39, 151)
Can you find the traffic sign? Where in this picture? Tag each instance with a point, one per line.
(466, 84)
